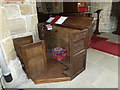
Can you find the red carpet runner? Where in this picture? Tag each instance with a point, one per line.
(101, 44)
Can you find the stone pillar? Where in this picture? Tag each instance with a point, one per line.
(8, 50)
(17, 19)
(107, 22)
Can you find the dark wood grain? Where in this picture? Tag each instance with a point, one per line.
(74, 41)
(72, 35)
(32, 55)
(54, 73)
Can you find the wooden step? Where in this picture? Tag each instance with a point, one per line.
(54, 73)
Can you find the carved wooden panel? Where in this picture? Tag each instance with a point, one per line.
(77, 61)
(73, 41)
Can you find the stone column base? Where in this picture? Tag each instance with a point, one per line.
(18, 75)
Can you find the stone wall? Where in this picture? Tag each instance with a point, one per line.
(22, 18)
(107, 22)
(17, 19)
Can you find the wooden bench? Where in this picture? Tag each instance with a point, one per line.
(32, 55)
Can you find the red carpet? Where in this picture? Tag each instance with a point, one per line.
(101, 44)
(96, 39)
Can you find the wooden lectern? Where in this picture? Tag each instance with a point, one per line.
(97, 24)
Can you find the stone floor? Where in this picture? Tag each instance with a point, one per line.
(101, 71)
